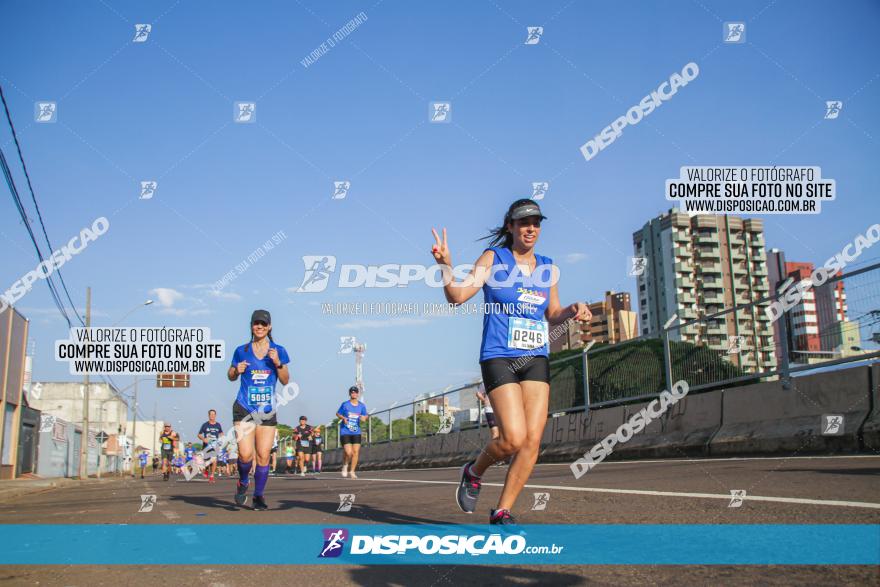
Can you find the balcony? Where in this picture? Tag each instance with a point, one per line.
(737, 254)
(682, 267)
(680, 236)
(687, 297)
(716, 284)
(687, 313)
(759, 269)
(719, 329)
(709, 253)
(713, 297)
(705, 268)
(757, 240)
(740, 269)
(707, 238)
(683, 282)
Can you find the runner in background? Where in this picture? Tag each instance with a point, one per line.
(520, 292)
(317, 449)
(155, 465)
(352, 413)
(142, 459)
(260, 364)
(208, 434)
(223, 460)
(289, 455)
(303, 436)
(168, 441)
(488, 412)
(273, 454)
(189, 452)
(177, 464)
(233, 460)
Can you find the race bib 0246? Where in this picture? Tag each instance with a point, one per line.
(524, 334)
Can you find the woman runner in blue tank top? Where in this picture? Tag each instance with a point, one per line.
(519, 287)
(260, 364)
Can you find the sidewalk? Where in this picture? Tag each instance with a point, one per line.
(12, 488)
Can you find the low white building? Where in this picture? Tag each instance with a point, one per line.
(108, 412)
(148, 432)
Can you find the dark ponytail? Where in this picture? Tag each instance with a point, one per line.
(501, 236)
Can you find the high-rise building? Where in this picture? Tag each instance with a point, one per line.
(804, 325)
(613, 321)
(695, 266)
(817, 324)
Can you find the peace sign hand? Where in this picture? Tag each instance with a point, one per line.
(440, 250)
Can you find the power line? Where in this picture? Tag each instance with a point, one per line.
(34, 199)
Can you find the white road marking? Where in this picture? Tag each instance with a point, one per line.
(724, 496)
(170, 515)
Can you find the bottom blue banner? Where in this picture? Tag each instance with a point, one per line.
(668, 544)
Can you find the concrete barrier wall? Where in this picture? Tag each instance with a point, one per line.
(765, 418)
(762, 418)
(871, 428)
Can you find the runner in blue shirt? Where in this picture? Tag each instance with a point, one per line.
(260, 363)
(351, 413)
(142, 459)
(519, 287)
(209, 433)
(189, 452)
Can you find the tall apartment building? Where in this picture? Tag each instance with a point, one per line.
(804, 323)
(613, 321)
(699, 265)
(818, 328)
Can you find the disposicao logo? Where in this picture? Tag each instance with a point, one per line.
(334, 542)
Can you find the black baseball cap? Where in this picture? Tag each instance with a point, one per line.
(354, 388)
(526, 210)
(303, 418)
(261, 316)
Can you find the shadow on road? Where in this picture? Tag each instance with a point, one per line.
(205, 501)
(365, 512)
(393, 576)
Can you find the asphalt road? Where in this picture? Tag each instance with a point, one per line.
(815, 490)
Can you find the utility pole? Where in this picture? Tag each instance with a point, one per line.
(134, 428)
(84, 444)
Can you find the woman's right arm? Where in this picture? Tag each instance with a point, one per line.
(460, 292)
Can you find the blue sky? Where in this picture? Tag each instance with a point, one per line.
(162, 110)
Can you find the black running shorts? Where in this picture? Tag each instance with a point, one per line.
(501, 371)
(350, 439)
(239, 413)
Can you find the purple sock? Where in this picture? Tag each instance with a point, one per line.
(244, 470)
(261, 475)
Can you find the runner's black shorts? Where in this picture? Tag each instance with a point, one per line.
(317, 448)
(501, 371)
(239, 412)
(303, 449)
(350, 439)
(168, 455)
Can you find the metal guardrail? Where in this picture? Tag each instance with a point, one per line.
(724, 349)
